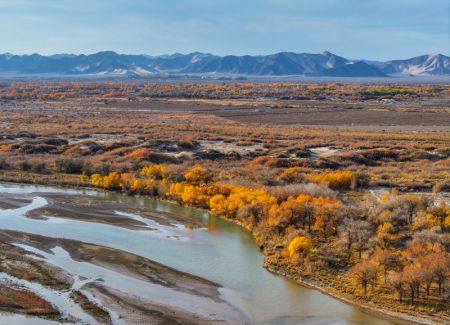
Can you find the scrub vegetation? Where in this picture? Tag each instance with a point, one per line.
(361, 214)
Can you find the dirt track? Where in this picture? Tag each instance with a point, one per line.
(363, 116)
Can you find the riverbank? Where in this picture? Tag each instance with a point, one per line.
(93, 209)
(317, 284)
(110, 301)
(399, 318)
(328, 284)
(38, 289)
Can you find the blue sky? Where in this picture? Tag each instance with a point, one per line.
(371, 29)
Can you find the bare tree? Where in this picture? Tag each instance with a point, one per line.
(398, 282)
(412, 278)
(365, 273)
(387, 259)
(355, 234)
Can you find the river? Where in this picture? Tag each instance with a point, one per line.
(221, 252)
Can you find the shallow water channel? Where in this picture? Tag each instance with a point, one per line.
(221, 252)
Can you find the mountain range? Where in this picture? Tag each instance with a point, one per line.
(325, 64)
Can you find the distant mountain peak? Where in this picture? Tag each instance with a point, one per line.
(106, 53)
(431, 64)
(325, 64)
(7, 55)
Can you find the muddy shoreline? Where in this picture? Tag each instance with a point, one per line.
(399, 318)
(95, 209)
(130, 265)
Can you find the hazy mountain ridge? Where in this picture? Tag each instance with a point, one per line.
(424, 64)
(324, 64)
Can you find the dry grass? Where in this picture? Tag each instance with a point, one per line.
(25, 301)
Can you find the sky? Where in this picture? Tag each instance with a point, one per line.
(356, 29)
